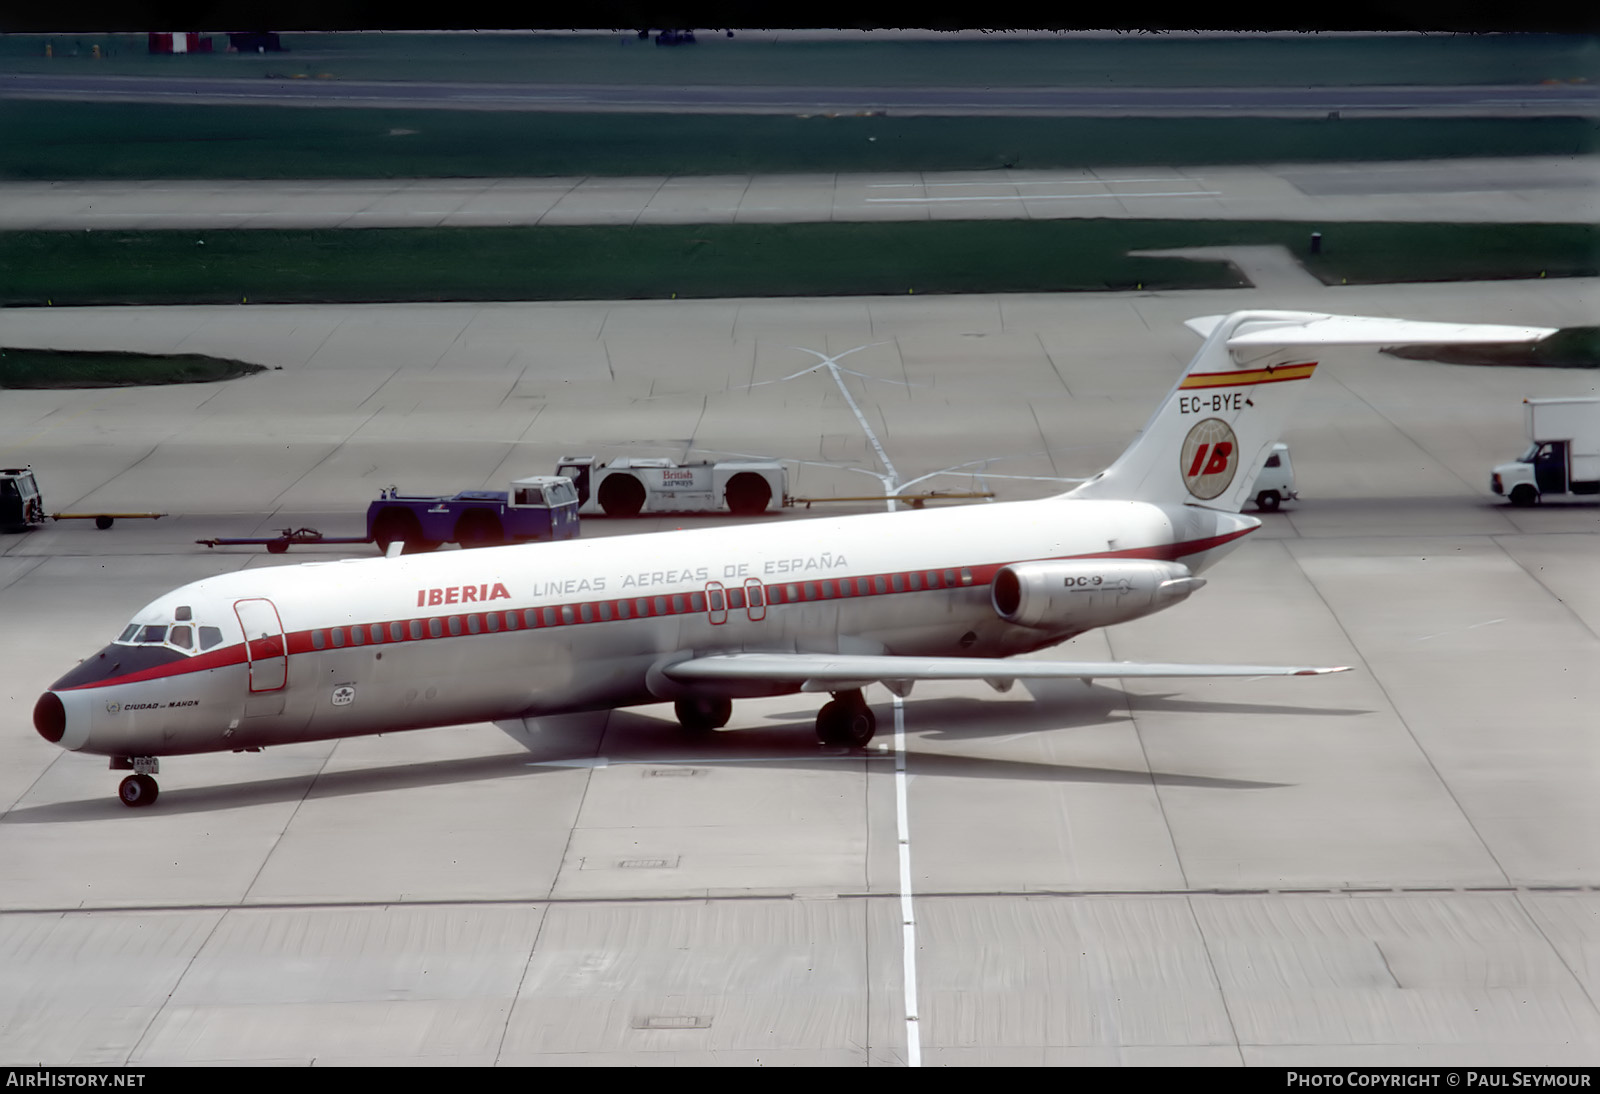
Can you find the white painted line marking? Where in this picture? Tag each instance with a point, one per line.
(1053, 197)
(1019, 182)
(908, 919)
(1487, 622)
(603, 761)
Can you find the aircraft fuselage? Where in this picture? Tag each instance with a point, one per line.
(339, 649)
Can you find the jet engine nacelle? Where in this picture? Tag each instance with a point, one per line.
(1088, 593)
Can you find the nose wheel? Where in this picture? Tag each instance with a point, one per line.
(847, 721)
(138, 791)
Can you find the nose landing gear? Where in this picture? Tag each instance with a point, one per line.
(139, 789)
(846, 721)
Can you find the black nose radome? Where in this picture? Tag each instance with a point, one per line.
(50, 717)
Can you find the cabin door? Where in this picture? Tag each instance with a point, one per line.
(266, 653)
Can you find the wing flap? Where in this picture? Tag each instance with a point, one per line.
(825, 671)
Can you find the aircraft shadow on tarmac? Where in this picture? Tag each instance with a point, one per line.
(626, 738)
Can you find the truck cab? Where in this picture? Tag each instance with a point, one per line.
(21, 506)
(1563, 457)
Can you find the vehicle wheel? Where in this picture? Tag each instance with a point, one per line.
(702, 714)
(479, 528)
(747, 494)
(846, 722)
(622, 496)
(103, 522)
(1268, 501)
(138, 791)
(1524, 495)
(277, 547)
(396, 525)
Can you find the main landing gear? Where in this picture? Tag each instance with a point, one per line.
(139, 789)
(846, 721)
(703, 714)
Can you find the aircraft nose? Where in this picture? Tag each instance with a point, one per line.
(50, 717)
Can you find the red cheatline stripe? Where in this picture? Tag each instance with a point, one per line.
(775, 594)
(1276, 375)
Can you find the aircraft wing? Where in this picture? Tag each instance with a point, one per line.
(838, 672)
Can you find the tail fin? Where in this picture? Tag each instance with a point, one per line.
(1208, 440)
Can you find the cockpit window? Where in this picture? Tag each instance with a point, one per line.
(182, 637)
(127, 635)
(156, 632)
(210, 636)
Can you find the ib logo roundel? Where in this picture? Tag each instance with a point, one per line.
(1209, 458)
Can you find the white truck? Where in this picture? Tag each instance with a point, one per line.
(1275, 484)
(1563, 456)
(630, 485)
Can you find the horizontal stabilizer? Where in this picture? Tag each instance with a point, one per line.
(853, 670)
(1316, 329)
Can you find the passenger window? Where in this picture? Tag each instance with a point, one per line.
(863, 587)
(605, 609)
(677, 603)
(566, 613)
(338, 637)
(397, 632)
(377, 632)
(318, 639)
(735, 598)
(455, 624)
(181, 637)
(661, 605)
(492, 621)
(624, 609)
(914, 581)
(358, 637)
(474, 624)
(697, 602)
(586, 612)
(878, 584)
(416, 629)
(811, 590)
(436, 627)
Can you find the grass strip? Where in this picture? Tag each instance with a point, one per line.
(653, 262)
(72, 140)
(54, 368)
(754, 58)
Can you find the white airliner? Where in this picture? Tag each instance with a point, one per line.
(323, 650)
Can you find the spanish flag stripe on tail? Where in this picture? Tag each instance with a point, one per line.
(1277, 375)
